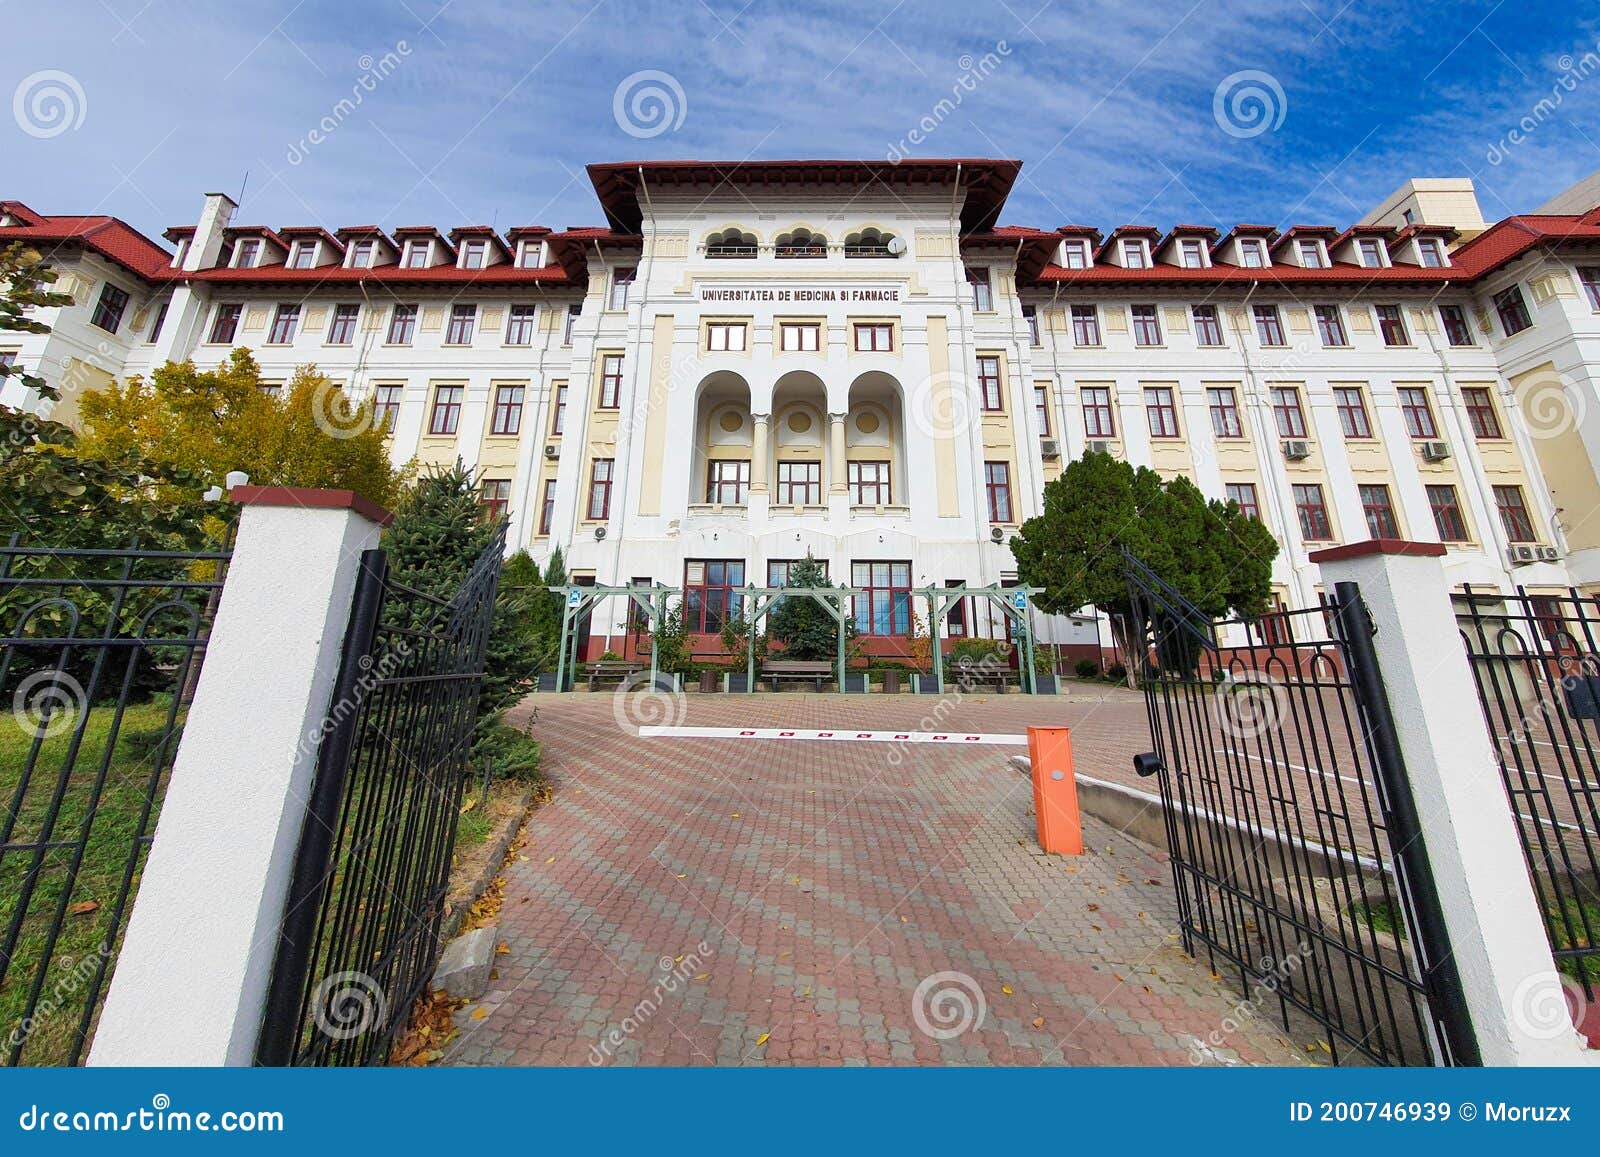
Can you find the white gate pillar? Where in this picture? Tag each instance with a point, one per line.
(1499, 942)
(191, 978)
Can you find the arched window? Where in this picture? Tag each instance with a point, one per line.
(731, 243)
(801, 242)
(872, 243)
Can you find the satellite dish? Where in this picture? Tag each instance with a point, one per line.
(895, 245)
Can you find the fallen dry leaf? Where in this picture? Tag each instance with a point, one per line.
(1038, 1022)
(1006, 988)
(479, 1013)
(763, 1039)
(84, 907)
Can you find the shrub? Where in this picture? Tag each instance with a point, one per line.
(610, 657)
(515, 756)
(1087, 668)
(1117, 673)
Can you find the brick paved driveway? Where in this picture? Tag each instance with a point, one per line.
(723, 901)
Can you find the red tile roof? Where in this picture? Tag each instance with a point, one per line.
(115, 240)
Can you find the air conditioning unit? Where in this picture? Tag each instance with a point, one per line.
(1521, 555)
(997, 534)
(1049, 448)
(1549, 554)
(1098, 448)
(552, 452)
(1296, 450)
(1435, 451)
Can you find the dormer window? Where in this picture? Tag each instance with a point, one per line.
(801, 243)
(870, 243)
(1310, 253)
(1074, 255)
(530, 255)
(1192, 253)
(303, 255)
(1371, 250)
(1133, 254)
(1252, 253)
(362, 254)
(418, 254)
(1430, 252)
(246, 252)
(474, 254)
(732, 244)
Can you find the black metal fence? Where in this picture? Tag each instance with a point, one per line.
(1536, 661)
(1295, 854)
(360, 938)
(98, 650)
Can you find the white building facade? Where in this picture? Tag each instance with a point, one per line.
(754, 362)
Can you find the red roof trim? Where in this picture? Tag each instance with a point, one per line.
(1377, 546)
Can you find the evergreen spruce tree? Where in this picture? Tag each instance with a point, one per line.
(803, 626)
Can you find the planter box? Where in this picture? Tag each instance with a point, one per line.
(891, 681)
(670, 683)
(855, 683)
(924, 684)
(708, 682)
(547, 682)
(736, 682)
(1048, 684)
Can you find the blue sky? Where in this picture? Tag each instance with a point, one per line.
(487, 112)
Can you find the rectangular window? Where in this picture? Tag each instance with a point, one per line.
(1085, 325)
(1392, 326)
(1514, 514)
(226, 323)
(875, 338)
(155, 328)
(1098, 419)
(573, 313)
(1030, 315)
(780, 570)
(507, 416)
(1310, 253)
(1207, 330)
(496, 497)
(621, 283)
(869, 483)
(1447, 517)
(547, 506)
(1379, 512)
(303, 255)
(362, 253)
(1512, 309)
(342, 330)
(800, 483)
(1041, 409)
(462, 320)
(1161, 412)
(1286, 409)
(529, 255)
(1074, 255)
(1330, 326)
(1194, 256)
(1480, 412)
(109, 309)
(1133, 254)
(1146, 325)
(417, 254)
(989, 383)
(1252, 254)
(558, 412)
(982, 295)
(1589, 277)
(446, 414)
(1352, 409)
(1244, 493)
(520, 324)
(474, 254)
(611, 382)
(1430, 252)
(725, 337)
(283, 325)
(885, 607)
(727, 481)
(600, 488)
(1417, 412)
(711, 592)
(1269, 328)
(1313, 513)
(1456, 329)
(386, 405)
(402, 324)
(997, 485)
(800, 338)
(246, 252)
(1371, 252)
(1224, 405)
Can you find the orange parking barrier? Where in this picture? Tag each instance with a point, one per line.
(1055, 791)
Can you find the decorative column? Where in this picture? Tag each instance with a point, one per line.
(837, 484)
(760, 452)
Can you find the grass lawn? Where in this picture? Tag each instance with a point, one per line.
(90, 907)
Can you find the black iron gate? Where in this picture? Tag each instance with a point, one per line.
(1296, 852)
(360, 937)
(99, 650)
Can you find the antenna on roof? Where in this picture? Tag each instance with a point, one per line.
(242, 184)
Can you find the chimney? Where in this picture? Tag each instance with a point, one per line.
(207, 241)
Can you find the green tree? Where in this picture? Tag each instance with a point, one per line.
(438, 531)
(805, 628)
(1215, 556)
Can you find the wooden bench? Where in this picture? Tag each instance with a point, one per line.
(816, 671)
(970, 674)
(619, 669)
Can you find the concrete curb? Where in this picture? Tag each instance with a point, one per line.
(455, 911)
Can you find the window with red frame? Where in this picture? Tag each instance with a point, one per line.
(1379, 512)
(462, 320)
(1146, 325)
(1161, 412)
(1313, 513)
(1207, 329)
(712, 591)
(874, 338)
(1513, 311)
(386, 401)
(1286, 409)
(997, 484)
(1269, 327)
(1392, 325)
(342, 331)
(799, 483)
(885, 607)
(1330, 326)
(600, 488)
(1041, 409)
(727, 481)
(507, 417)
(1098, 419)
(1589, 275)
(1244, 493)
(284, 323)
(1352, 409)
(869, 483)
(1418, 413)
(1456, 329)
(1480, 412)
(611, 382)
(982, 295)
(1085, 325)
(226, 323)
(989, 382)
(1514, 517)
(547, 506)
(402, 324)
(558, 412)
(520, 324)
(1224, 405)
(496, 497)
(446, 415)
(1447, 516)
